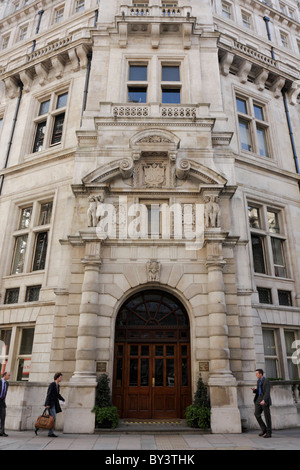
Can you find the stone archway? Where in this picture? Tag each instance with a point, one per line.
(152, 371)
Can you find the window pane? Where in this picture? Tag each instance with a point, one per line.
(133, 374)
(19, 258)
(285, 298)
(40, 251)
(170, 372)
(171, 95)
(265, 295)
(32, 293)
(138, 72)
(258, 112)
(58, 129)
(269, 343)
(137, 94)
(273, 222)
(39, 137)
(271, 368)
(45, 214)
(241, 105)
(62, 101)
(26, 341)
(44, 107)
(278, 257)
(170, 73)
(12, 296)
(5, 337)
(159, 372)
(262, 141)
(258, 254)
(245, 135)
(145, 372)
(253, 215)
(25, 218)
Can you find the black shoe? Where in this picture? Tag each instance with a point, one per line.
(268, 435)
(4, 434)
(52, 435)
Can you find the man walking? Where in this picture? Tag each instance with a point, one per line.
(262, 401)
(3, 392)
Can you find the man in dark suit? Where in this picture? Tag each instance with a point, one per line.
(3, 392)
(262, 401)
(52, 399)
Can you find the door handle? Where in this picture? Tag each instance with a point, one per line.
(153, 382)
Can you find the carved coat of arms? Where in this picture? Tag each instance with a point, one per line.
(154, 174)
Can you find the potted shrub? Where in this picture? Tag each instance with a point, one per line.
(106, 414)
(198, 414)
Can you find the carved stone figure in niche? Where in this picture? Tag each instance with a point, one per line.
(153, 271)
(94, 201)
(212, 212)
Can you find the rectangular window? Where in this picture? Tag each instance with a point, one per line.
(137, 83)
(32, 293)
(171, 86)
(50, 122)
(253, 127)
(226, 10)
(246, 19)
(267, 240)
(32, 234)
(79, 6)
(285, 298)
(12, 296)
(23, 33)
(5, 40)
(40, 251)
(290, 339)
(19, 255)
(258, 253)
(264, 295)
(270, 352)
(25, 352)
(25, 218)
(59, 15)
(284, 40)
(5, 339)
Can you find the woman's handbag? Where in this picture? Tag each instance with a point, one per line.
(44, 421)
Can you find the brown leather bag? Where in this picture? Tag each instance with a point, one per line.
(44, 421)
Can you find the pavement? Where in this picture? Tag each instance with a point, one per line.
(132, 440)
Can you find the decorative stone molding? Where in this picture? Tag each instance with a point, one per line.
(183, 169)
(153, 271)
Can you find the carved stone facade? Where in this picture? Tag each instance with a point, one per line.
(149, 197)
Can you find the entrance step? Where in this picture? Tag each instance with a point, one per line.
(153, 426)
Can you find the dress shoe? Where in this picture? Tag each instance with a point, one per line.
(4, 434)
(262, 433)
(52, 435)
(268, 435)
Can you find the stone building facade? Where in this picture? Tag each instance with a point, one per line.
(149, 205)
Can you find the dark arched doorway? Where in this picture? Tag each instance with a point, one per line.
(152, 373)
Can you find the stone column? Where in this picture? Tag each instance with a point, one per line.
(81, 399)
(223, 388)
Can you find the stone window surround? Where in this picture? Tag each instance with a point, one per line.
(250, 117)
(264, 232)
(154, 90)
(52, 95)
(32, 232)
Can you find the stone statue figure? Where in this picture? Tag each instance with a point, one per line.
(92, 215)
(212, 212)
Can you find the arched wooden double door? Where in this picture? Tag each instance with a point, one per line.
(152, 377)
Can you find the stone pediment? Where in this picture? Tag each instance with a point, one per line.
(153, 170)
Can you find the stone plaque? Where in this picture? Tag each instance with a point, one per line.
(203, 366)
